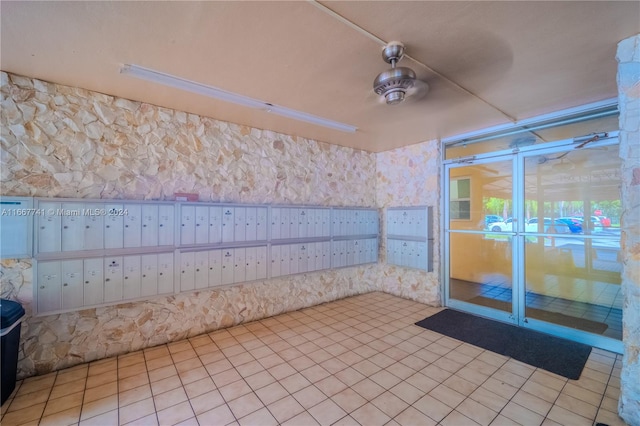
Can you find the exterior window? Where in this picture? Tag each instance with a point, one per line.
(460, 205)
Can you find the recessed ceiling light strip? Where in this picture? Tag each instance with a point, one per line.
(223, 95)
(383, 43)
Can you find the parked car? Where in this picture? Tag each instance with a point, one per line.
(558, 226)
(574, 225)
(562, 225)
(596, 222)
(500, 227)
(503, 226)
(491, 218)
(604, 221)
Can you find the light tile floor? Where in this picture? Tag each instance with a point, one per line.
(354, 361)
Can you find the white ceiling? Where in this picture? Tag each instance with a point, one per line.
(487, 63)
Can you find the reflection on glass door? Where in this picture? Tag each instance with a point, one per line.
(572, 239)
(533, 238)
(480, 235)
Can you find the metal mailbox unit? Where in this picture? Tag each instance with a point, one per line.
(98, 252)
(410, 237)
(300, 239)
(221, 244)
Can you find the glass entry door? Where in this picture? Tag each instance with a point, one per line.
(572, 265)
(532, 237)
(480, 237)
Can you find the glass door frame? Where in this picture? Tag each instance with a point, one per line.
(504, 316)
(518, 238)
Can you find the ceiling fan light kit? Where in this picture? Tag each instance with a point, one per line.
(394, 83)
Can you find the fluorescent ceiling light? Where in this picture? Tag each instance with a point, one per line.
(223, 95)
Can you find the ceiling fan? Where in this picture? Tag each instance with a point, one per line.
(397, 83)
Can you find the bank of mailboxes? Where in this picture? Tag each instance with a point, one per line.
(289, 259)
(213, 268)
(347, 222)
(74, 226)
(298, 222)
(205, 224)
(94, 252)
(353, 252)
(407, 222)
(411, 254)
(77, 283)
(409, 237)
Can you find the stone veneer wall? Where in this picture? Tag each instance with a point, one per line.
(59, 141)
(629, 103)
(409, 176)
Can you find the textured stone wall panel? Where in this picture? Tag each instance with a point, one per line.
(628, 56)
(59, 141)
(409, 176)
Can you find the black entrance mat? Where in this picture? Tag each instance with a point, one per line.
(559, 356)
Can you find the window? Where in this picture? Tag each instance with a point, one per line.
(460, 196)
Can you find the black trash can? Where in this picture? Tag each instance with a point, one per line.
(11, 314)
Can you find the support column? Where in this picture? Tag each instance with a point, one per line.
(628, 57)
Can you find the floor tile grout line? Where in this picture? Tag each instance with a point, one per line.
(599, 407)
(146, 367)
(195, 416)
(10, 399)
(47, 400)
(520, 388)
(233, 367)
(452, 374)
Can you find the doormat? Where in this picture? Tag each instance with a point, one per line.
(548, 316)
(554, 354)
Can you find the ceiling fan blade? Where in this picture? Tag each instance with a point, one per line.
(418, 91)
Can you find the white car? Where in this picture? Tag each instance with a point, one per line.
(506, 226)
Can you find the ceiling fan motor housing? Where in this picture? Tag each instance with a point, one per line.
(394, 83)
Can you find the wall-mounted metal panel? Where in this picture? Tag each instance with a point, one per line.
(16, 227)
(409, 237)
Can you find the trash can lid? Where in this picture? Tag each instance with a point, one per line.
(10, 312)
